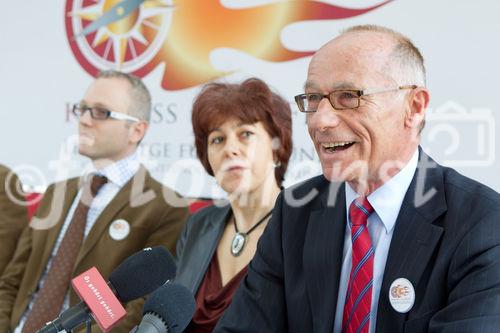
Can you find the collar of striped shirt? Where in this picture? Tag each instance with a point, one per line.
(120, 172)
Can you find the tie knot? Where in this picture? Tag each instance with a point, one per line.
(359, 211)
(97, 182)
(91, 186)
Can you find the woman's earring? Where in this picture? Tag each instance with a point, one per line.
(277, 164)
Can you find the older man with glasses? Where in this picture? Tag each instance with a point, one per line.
(97, 220)
(386, 239)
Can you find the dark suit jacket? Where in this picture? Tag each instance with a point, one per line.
(13, 216)
(197, 245)
(152, 222)
(446, 242)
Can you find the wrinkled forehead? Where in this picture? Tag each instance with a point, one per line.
(353, 60)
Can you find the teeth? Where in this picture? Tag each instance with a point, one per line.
(336, 144)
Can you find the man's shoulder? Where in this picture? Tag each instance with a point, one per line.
(3, 171)
(66, 183)
(466, 193)
(445, 189)
(318, 184)
(304, 187)
(163, 195)
(151, 182)
(311, 194)
(8, 179)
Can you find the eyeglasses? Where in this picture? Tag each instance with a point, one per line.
(99, 113)
(340, 99)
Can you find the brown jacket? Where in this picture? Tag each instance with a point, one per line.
(13, 215)
(141, 202)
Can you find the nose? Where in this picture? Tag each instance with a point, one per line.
(85, 118)
(324, 118)
(232, 147)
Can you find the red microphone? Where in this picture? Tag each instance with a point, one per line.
(138, 275)
(105, 307)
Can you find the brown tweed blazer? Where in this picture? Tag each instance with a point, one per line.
(13, 216)
(141, 202)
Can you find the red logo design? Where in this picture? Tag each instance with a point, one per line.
(136, 36)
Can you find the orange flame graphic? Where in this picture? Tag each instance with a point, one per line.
(198, 27)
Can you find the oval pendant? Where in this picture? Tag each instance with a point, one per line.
(238, 243)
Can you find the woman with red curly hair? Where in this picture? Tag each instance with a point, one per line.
(243, 138)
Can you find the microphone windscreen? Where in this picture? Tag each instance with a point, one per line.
(142, 273)
(174, 303)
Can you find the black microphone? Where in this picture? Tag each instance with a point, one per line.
(138, 275)
(168, 310)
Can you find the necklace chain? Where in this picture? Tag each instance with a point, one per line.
(255, 225)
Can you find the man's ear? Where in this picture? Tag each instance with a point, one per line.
(418, 100)
(137, 131)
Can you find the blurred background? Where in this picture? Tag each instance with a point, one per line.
(51, 50)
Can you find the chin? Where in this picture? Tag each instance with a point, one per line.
(345, 170)
(236, 188)
(82, 151)
(336, 174)
(87, 153)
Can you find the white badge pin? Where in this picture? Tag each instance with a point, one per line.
(402, 295)
(119, 229)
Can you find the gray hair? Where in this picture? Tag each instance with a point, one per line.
(406, 55)
(140, 106)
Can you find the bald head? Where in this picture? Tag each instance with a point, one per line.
(361, 58)
(390, 52)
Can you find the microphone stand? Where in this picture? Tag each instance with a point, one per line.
(89, 325)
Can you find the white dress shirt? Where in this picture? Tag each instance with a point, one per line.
(386, 201)
(118, 174)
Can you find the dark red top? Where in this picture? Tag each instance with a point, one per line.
(212, 298)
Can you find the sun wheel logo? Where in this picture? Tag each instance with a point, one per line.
(184, 35)
(116, 34)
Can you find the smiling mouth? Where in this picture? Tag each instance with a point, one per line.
(332, 147)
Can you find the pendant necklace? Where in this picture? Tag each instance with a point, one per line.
(240, 238)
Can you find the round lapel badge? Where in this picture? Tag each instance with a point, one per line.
(401, 295)
(119, 229)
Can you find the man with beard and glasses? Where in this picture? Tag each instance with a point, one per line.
(98, 220)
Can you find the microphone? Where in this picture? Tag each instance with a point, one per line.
(138, 275)
(99, 298)
(168, 310)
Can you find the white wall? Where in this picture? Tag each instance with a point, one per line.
(40, 76)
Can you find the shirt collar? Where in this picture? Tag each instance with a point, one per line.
(120, 172)
(388, 198)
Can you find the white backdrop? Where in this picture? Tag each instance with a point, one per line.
(41, 77)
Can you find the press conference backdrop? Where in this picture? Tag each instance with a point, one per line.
(49, 57)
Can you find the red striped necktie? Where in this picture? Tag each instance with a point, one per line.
(356, 316)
